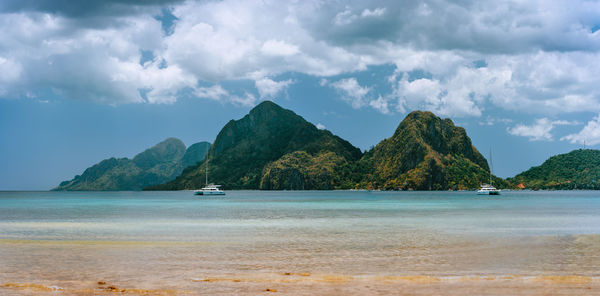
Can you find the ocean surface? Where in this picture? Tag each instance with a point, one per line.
(329, 242)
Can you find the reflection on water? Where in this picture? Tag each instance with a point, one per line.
(174, 242)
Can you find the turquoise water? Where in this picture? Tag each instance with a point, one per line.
(87, 236)
(180, 216)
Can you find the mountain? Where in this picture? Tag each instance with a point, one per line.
(425, 153)
(578, 169)
(156, 165)
(271, 148)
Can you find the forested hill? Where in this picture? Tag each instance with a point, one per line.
(271, 148)
(156, 165)
(426, 153)
(578, 169)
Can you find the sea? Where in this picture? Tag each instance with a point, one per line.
(300, 243)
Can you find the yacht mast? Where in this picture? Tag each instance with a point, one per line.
(491, 165)
(206, 170)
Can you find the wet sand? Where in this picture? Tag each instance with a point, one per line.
(308, 284)
(299, 243)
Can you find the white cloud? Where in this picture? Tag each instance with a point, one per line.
(320, 126)
(446, 98)
(278, 48)
(540, 130)
(536, 61)
(45, 52)
(218, 93)
(373, 13)
(352, 92)
(346, 16)
(590, 134)
(380, 105)
(268, 88)
(492, 121)
(215, 92)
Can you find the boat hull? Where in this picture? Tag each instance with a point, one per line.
(208, 193)
(488, 192)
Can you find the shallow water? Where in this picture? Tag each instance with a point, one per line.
(177, 243)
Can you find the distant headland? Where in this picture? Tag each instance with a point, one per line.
(272, 148)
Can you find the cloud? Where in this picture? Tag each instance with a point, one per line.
(590, 134)
(346, 16)
(380, 105)
(215, 92)
(480, 26)
(84, 9)
(218, 93)
(352, 92)
(102, 65)
(492, 121)
(320, 126)
(540, 130)
(268, 88)
(278, 48)
(446, 98)
(476, 55)
(373, 13)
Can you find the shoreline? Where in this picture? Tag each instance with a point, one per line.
(288, 283)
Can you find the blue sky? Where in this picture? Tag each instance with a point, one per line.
(84, 82)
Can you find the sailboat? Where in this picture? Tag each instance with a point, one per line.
(209, 189)
(489, 189)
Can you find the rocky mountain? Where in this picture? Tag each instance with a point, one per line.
(156, 165)
(271, 148)
(578, 169)
(425, 153)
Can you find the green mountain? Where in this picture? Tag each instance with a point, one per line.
(271, 148)
(578, 169)
(156, 165)
(425, 153)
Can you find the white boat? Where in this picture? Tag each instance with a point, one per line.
(209, 189)
(489, 189)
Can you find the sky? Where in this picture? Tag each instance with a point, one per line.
(81, 81)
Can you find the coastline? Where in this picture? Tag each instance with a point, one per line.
(288, 283)
(299, 243)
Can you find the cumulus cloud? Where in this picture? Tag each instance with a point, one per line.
(346, 16)
(476, 54)
(320, 126)
(268, 88)
(450, 97)
(278, 48)
(540, 130)
(352, 92)
(590, 134)
(218, 93)
(381, 105)
(493, 120)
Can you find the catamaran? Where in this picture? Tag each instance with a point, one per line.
(209, 189)
(489, 189)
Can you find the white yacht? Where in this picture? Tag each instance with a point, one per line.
(209, 189)
(489, 189)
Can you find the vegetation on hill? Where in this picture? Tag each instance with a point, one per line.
(425, 153)
(578, 169)
(156, 165)
(273, 148)
(244, 148)
(299, 170)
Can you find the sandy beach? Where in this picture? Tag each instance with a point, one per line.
(299, 243)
